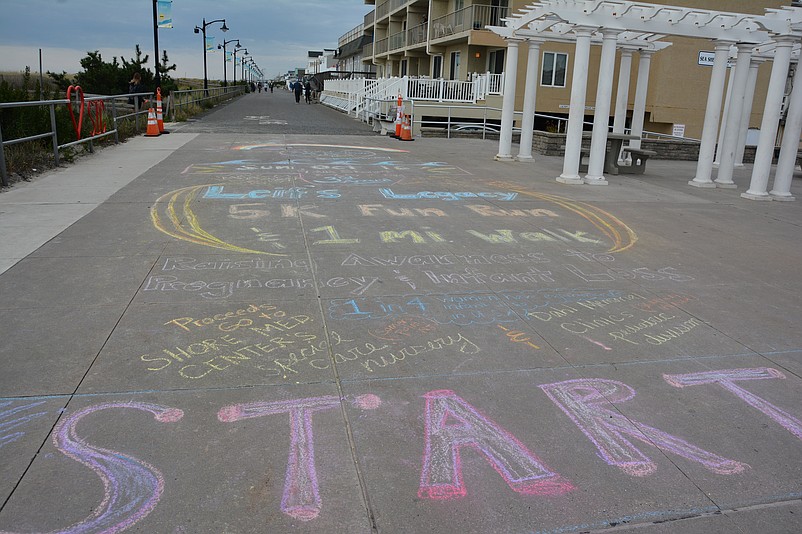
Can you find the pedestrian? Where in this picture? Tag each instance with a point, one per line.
(271, 86)
(135, 86)
(298, 88)
(308, 91)
(259, 86)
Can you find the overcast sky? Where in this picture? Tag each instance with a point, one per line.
(277, 33)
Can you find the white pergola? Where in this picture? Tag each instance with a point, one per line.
(637, 26)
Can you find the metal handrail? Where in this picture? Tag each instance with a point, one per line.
(53, 134)
(187, 97)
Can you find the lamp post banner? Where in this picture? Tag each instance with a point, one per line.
(165, 10)
(209, 43)
(228, 57)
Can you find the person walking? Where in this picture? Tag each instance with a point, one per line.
(308, 91)
(298, 88)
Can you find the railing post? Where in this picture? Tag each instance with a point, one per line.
(114, 120)
(3, 174)
(55, 133)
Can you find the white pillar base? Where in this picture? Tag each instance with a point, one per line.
(570, 180)
(728, 185)
(504, 157)
(524, 158)
(754, 196)
(782, 197)
(595, 180)
(739, 165)
(707, 185)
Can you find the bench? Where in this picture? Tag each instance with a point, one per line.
(639, 159)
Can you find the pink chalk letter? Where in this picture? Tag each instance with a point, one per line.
(301, 499)
(726, 378)
(451, 424)
(588, 403)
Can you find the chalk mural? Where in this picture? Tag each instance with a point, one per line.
(450, 426)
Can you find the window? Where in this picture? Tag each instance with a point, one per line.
(437, 66)
(554, 66)
(403, 67)
(454, 71)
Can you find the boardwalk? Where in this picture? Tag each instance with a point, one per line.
(273, 320)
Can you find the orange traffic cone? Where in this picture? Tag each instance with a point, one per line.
(153, 126)
(159, 116)
(406, 130)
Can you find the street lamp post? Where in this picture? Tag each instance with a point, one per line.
(202, 30)
(242, 62)
(158, 78)
(223, 46)
(244, 51)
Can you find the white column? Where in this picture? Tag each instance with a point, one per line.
(622, 95)
(641, 90)
(749, 97)
(704, 166)
(770, 123)
(724, 115)
(530, 96)
(732, 128)
(790, 144)
(508, 101)
(601, 117)
(576, 112)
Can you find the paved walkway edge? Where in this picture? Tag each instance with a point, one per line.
(32, 213)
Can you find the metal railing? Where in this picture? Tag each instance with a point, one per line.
(474, 17)
(190, 97)
(53, 133)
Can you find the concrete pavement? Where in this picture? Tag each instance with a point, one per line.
(273, 320)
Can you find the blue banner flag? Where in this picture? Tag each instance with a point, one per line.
(228, 56)
(165, 13)
(209, 43)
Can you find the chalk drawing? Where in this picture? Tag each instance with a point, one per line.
(301, 498)
(285, 145)
(452, 424)
(132, 487)
(517, 336)
(726, 378)
(182, 223)
(622, 236)
(585, 402)
(10, 419)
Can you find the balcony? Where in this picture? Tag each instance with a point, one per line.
(416, 35)
(397, 41)
(387, 7)
(474, 17)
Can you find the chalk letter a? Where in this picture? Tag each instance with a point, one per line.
(452, 424)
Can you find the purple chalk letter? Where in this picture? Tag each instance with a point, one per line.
(132, 487)
(301, 498)
(584, 401)
(451, 424)
(726, 378)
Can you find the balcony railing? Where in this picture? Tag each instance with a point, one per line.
(397, 41)
(474, 17)
(380, 46)
(388, 6)
(416, 35)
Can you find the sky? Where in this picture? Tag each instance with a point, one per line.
(277, 33)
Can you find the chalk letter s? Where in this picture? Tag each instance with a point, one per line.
(583, 402)
(451, 424)
(132, 487)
